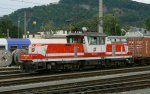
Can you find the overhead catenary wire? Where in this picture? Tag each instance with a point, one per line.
(7, 8)
(12, 5)
(23, 1)
(20, 1)
(10, 8)
(20, 4)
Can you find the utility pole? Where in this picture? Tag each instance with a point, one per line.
(25, 25)
(8, 33)
(18, 27)
(100, 24)
(69, 21)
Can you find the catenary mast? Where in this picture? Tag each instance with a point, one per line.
(100, 24)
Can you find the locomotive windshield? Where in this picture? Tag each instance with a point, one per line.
(96, 40)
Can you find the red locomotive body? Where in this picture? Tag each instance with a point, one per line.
(82, 49)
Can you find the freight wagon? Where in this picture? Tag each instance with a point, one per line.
(140, 48)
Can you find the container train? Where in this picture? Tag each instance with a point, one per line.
(82, 50)
(11, 49)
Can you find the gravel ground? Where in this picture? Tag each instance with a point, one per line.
(140, 91)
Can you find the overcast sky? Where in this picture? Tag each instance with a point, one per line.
(8, 6)
(144, 1)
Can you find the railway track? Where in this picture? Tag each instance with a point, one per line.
(25, 78)
(9, 68)
(18, 74)
(99, 86)
(91, 85)
(54, 78)
(5, 73)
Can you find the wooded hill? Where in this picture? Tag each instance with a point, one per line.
(128, 12)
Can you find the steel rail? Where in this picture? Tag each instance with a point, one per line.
(78, 80)
(4, 75)
(102, 87)
(25, 78)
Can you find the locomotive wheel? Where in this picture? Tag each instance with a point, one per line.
(16, 55)
(27, 66)
(49, 66)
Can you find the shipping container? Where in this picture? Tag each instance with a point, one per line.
(139, 47)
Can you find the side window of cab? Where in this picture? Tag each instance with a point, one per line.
(96, 40)
(75, 39)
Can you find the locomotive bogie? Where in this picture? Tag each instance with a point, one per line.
(74, 65)
(28, 66)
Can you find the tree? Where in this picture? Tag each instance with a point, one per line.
(147, 23)
(49, 29)
(111, 25)
(5, 24)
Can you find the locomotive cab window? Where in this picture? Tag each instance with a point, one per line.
(113, 40)
(96, 40)
(75, 39)
(123, 40)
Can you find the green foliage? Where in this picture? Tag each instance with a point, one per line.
(147, 23)
(48, 27)
(5, 25)
(127, 11)
(91, 24)
(111, 25)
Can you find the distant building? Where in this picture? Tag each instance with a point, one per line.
(137, 32)
(47, 35)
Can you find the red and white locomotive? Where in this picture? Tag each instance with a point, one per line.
(88, 49)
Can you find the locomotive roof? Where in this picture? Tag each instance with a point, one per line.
(87, 34)
(117, 37)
